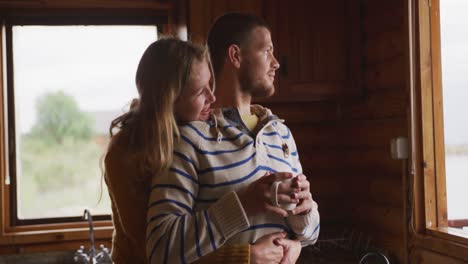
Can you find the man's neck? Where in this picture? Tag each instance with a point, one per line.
(229, 94)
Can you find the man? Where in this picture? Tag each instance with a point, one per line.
(216, 193)
(244, 65)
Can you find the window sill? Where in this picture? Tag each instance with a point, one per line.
(445, 240)
(449, 233)
(55, 233)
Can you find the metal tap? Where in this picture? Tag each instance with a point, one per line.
(102, 257)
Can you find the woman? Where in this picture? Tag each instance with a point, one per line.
(142, 146)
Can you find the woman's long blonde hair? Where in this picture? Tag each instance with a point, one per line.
(150, 127)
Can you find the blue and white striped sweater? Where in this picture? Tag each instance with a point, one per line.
(196, 195)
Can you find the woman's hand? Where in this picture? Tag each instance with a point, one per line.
(266, 251)
(292, 250)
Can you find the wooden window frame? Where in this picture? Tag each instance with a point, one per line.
(428, 226)
(64, 235)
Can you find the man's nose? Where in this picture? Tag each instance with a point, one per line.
(275, 63)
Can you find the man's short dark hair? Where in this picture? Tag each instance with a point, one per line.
(229, 29)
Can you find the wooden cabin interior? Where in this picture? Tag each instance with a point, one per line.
(354, 75)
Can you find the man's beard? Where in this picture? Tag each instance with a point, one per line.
(255, 87)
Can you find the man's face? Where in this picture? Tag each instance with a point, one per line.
(258, 64)
(194, 103)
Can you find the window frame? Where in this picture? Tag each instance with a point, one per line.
(60, 230)
(428, 226)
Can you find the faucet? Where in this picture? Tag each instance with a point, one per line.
(92, 250)
(102, 257)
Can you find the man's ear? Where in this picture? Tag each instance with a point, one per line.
(234, 55)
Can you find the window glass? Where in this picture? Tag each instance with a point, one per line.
(454, 49)
(69, 83)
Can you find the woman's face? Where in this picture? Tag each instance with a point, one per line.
(194, 103)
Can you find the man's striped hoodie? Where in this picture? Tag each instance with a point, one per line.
(194, 208)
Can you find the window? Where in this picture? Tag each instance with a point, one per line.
(66, 71)
(437, 117)
(431, 229)
(69, 83)
(454, 50)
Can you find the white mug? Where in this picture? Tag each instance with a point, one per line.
(274, 194)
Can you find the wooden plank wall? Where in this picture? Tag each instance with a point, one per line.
(202, 13)
(378, 207)
(345, 146)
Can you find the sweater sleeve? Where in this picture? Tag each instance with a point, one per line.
(234, 254)
(126, 204)
(306, 227)
(176, 232)
(129, 203)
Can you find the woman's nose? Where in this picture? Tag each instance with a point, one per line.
(211, 97)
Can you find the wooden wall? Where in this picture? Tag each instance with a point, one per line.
(377, 198)
(202, 14)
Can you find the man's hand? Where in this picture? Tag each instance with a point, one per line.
(256, 199)
(292, 250)
(303, 195)
(265, 251)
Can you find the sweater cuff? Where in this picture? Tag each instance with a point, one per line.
(229, 215)
(299, 223)
(234, 254)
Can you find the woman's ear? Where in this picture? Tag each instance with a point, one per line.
(234, 55)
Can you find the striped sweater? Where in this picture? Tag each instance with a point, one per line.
(194, 208)
(129, 191)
